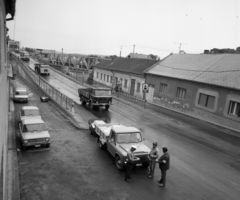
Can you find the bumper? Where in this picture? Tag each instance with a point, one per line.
(30, 144)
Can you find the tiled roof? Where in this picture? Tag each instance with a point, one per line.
(132, 65)
(216, 69)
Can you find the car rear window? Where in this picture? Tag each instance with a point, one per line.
(30, 113)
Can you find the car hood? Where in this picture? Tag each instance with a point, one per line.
(30, 117)
(21, 96)
(36, 135)
(141, 147)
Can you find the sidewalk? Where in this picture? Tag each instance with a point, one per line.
(13, 192)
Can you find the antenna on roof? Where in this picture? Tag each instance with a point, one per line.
(180, 44)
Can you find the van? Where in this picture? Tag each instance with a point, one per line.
(20, 95)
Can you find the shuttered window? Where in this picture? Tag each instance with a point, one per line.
(206, 100)
(138, 87)
(181, 93)
(163, 88)
(234, 108)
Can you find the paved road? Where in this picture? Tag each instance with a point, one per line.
(205, 160)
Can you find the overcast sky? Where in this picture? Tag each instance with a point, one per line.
(103, 26)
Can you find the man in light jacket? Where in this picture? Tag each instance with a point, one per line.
(153, 156)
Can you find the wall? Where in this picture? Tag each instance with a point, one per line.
(4, 99)
(123, 76)
(217, 114)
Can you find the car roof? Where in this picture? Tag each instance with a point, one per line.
(23, 89)
(125, 129)
(32, 121)
(30, 108)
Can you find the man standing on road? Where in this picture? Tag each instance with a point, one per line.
(164, 165)
(153, 156)
(130, 162)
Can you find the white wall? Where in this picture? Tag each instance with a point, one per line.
(123, 76)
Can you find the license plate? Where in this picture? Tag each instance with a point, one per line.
(37, 145)
(139, 164)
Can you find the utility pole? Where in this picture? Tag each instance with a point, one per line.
(133, 48)
(62, 55)
(120, 51)
(180, 44)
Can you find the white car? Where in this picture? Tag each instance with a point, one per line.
(20, 95)
(33, 132)
(29, 112)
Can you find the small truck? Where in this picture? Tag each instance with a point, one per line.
(42, 69)
(118, 139)
(96, 97)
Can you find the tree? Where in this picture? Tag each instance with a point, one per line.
(90, 78)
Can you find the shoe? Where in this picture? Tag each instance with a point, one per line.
(161, 185)
(159, 182)
(150, 176)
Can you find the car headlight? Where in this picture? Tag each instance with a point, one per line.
(47, 139)
(25, 141)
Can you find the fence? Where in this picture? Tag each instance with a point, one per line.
(32, 78)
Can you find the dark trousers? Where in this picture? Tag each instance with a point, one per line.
(129, 170)
(163, 176)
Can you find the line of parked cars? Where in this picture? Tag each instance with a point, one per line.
(33, 130)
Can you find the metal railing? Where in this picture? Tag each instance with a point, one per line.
(31, 77)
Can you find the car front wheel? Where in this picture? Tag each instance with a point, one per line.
(119, 163)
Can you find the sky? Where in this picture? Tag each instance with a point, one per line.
(108, 27)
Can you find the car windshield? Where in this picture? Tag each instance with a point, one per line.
(102, 92)
(129, 138)
(30, 113)
(21, 93)
(34, 127)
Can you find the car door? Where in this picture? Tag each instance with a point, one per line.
(111, 145)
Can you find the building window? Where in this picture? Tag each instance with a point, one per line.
(163, 88)
(234, 108)
(111, 79)
(121, 81)
(107, 78)
(101, 76)
(97, 75)
(104, 77)
(206, 100)
(138, 87)
(125, 83)
(181, 93)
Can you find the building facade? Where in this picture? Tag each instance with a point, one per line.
(203, 86)
(7, 7)
(124, 73)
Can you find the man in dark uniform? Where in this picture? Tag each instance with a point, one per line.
(130, 162)
(164, 165)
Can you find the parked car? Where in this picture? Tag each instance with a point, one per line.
(20, 95)
(93, 122)
(33, 132)
(29, 112)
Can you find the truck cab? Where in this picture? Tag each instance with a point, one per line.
(25, 56)
(96, 96)
(119, 142)
(42, 69)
